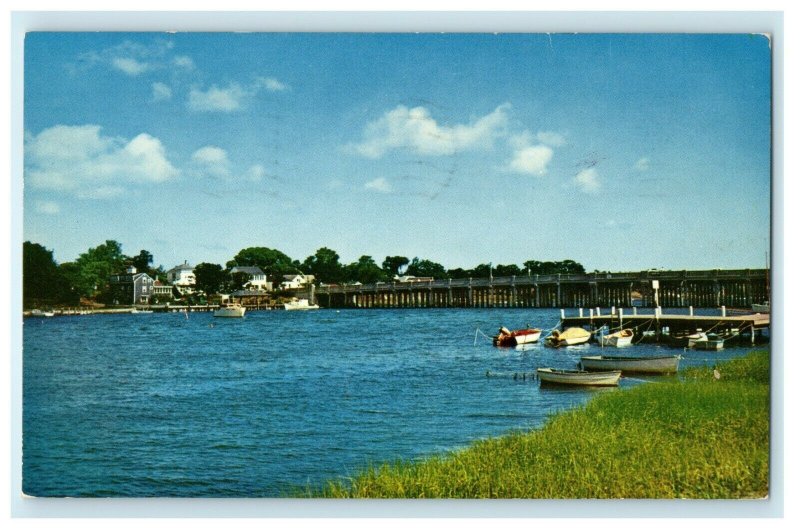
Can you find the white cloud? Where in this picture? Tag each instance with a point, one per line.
(416, 130)
(161, 92)
(643, 164)
(553, 139)
(47, 207)
(81, 161)
(587, 181)
(217, 99)
(380, 184)
(182, 61)
(213, 161)
(255, 173)
(272, 84)
(531, 160)
(129, 66)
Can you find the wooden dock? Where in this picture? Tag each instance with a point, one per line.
(659, 323)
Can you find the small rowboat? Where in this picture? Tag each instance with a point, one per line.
(571, 336)
(653, 365)
(687, 339)
(710, 344)
(508, 338)
(621, 338)
(548, 375)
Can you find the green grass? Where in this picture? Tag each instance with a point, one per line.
(698, 437)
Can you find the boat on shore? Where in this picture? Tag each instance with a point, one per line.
(654, 365)
(548, 375)
(230, 311)
(621, 338)
(42, 313)
(143, 311)
(299, 304)
(570, 336)
(506, 338)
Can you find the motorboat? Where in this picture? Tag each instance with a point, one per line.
(230, 311)
(299, 304)
(507, 338)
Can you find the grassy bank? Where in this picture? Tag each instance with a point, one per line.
(702, 437)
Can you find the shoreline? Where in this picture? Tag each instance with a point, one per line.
(702, 435)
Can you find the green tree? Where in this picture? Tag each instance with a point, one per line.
(209, 277)
(392, 265)
(143, 261)
(96, 266)
(274, 263)
(426, 268)
(507, 270)
(325, 266)
(365, 270)
(41, 280)
(458, 273)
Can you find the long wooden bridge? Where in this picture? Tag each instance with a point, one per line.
(697, 288)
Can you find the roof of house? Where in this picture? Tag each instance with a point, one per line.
(292, 277)
(128, 278)
(252, 270)
(184, 266)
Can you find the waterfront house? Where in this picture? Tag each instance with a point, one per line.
(257, 277)
(162, 291)
(296, 281)
(182, 278)
(131, 288)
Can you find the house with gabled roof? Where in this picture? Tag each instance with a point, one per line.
(257, 278)
(131, 288)
(295, 281)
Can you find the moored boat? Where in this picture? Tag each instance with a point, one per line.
(548, 375)
(570, 336)
(299, 304)
(761, 308)
(656, 365)
(711, 344)
(687, 339)
(230, 311)
(506, 338)
(621, 338)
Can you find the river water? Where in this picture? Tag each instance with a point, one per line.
(164, 405)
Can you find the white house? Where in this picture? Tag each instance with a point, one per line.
(258, 279)
(182, 277)
(293, 281)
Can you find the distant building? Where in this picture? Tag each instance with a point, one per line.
(131, 288)
(182, 277)
(295, 281)
(257, 277)
(255, 299)
(162, 291)
(412, 279)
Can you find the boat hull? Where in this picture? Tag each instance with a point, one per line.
(762, 308)
(230, 312)
(518, 337)
(710, 345)
(618, 339)
(571, 336)
(578, 378)
(662, 365)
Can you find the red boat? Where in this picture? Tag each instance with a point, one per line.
(506, 338)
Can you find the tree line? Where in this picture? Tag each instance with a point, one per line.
(46, 282)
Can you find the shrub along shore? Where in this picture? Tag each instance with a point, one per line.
(703, 435)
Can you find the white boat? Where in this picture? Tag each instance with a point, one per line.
(137, 311)
(621, 338)
(548, 375)
(506, 338)
(711, 344)
(42, 313)
(570, 336)
(687, 339)
(761, 308)
(230, 311)
(655, 365)
(299, 304)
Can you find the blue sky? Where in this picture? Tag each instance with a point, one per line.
(622, 152)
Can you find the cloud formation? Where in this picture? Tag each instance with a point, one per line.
(213, 161)
(553, 139)
(47, 207)
(414, 129)
(79, 160)
(380, 185)
(587, 181)
(129, 66)
(161, 92)
(232, 98)
(529, 158)
(643, 164)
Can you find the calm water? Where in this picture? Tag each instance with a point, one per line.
(161, 405)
